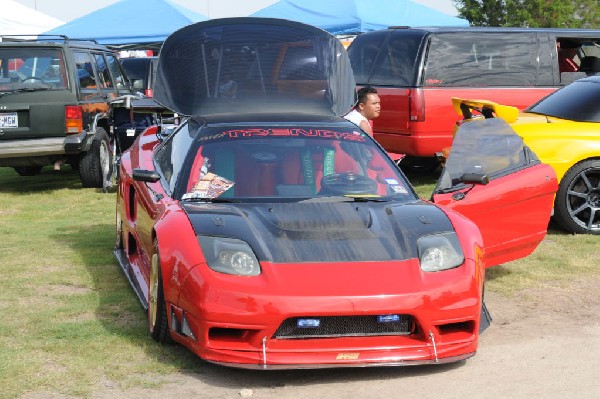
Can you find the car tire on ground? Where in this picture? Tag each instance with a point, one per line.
(157, 307)
(577, 203)
(95, 165)
(28, 170)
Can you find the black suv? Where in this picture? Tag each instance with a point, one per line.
(142, 72)
(55, 96)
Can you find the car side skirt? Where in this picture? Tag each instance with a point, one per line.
(129, 273)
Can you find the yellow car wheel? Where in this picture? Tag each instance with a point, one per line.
(577, 204)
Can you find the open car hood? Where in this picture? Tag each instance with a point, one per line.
(278, 66)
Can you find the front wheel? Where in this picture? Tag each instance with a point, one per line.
(95, 166)
(577, 203)
(157, 306)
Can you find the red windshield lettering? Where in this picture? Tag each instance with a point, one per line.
(302, 132)
(256, 132)
(281, 132)
(233, 133)
(247, 133)
(326, 134)
(352, 137)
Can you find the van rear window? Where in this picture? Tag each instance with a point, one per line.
(386, 59)
(471, 59)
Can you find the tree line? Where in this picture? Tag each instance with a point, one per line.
(531, 13)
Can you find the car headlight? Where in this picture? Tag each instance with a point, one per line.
(229, 256)
(439, 252)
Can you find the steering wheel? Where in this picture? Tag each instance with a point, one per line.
(347, 183)
(265, 156)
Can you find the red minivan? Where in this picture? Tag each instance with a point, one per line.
(417, 70)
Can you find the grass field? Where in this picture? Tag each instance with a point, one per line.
(70, 322)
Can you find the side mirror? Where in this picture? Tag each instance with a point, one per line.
(475, 178)
(148, 176)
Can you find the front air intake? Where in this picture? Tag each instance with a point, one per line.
(344, 326)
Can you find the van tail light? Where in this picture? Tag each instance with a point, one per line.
(416, 105)
(149, 92)
(73, 119)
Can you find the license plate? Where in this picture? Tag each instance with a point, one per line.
(9, 119)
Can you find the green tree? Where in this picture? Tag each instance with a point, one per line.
(530, 13)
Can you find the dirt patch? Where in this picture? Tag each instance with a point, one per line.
(542, 343)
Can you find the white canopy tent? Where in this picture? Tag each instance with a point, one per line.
(17, 19)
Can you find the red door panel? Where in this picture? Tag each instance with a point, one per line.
(512, 212)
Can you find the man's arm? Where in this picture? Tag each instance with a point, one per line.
(366, 126)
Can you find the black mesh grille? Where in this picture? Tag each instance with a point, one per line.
(344, 326)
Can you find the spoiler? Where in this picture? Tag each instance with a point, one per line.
(486, 108)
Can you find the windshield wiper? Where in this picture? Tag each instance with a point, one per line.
(209, 200)
(449, 189)
(345, 198)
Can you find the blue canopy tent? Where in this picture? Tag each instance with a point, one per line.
(355, 16)
(130, 24)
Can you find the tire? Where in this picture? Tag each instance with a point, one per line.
(95, 166)
(28, 170)
(577, 203)
(157, 307)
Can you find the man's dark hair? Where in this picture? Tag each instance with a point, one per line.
(361, 94)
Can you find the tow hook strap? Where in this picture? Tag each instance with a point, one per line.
(434, 346)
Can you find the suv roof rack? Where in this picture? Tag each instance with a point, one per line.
(43, 37)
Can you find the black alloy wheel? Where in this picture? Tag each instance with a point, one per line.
(577, 203)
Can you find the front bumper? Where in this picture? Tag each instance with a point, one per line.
(266, 366)
(240, 329)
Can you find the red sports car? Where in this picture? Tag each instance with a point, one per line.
(266, 231)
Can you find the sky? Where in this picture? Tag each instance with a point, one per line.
(67, 10)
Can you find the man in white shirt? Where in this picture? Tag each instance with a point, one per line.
(366, 109)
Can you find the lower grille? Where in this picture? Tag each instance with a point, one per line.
(344, 326)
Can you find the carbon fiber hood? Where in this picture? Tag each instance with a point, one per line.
(322, 231)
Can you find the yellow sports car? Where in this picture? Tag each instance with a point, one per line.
(563, 129)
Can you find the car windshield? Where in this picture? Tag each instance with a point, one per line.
(31, 68)
(577, 102)
(287, 163)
